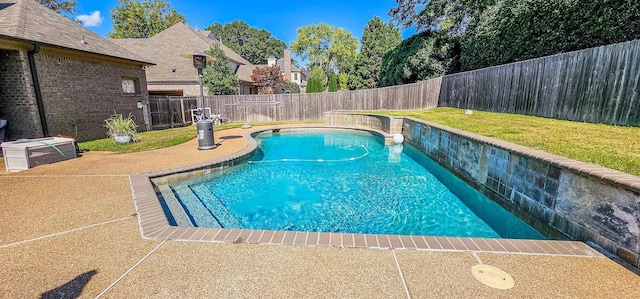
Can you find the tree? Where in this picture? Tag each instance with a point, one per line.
(290, 87)
(327, 47)
(333, 82)
(454, 17)
(378, 39)
(322, 77)
(268, 79)
(135, 19)
(420, 57)
(317, 81)
(523, 29)
(218, 76)
(60, 6)
(254, 45)
(342, 81)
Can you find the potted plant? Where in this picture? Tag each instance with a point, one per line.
(121, 128)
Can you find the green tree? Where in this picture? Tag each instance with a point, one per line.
(290, 87)
(218, 76)
(378, 39)
(135, 19)
(317, 81)
(342, 81)
(321, 75)
(420, 57)
(523, 29)
(60, 6)
(253, 44)
(327, 47)
(333, 82)
(454, 17)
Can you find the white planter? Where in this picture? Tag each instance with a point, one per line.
(122, 138)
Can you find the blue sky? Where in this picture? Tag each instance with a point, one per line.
(281, 18)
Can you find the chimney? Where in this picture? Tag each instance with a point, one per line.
(271, 61)
(287, 65)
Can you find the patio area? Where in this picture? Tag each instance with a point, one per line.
(70, 229)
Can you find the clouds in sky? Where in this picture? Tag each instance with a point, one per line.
(92, 20)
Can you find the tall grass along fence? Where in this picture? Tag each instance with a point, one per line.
(598, 85)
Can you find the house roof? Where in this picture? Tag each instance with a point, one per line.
(244, 71)
(165, 50)
(30, 21)
(280, 63)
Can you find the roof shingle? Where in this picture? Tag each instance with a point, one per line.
(30, 21)
(165, 50)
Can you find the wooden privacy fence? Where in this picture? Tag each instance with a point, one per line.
(169, 112)
(311, 106)
(599, 85)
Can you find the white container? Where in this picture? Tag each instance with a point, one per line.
(28, 153)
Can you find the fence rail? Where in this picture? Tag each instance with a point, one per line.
(599, 85)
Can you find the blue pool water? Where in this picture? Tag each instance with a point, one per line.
(343, 181)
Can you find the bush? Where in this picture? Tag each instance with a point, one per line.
(291, 87)
(422, 56)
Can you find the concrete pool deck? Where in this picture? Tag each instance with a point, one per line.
(70, 228)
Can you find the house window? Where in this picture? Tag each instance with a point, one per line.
(295, 76)
(130, 86)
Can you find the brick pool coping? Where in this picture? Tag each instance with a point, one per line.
(154, 223)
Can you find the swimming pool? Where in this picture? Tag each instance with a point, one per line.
(339, 181)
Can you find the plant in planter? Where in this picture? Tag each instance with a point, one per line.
(121, 128)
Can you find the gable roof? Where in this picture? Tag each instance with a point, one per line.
(244, 71)
(28, 20)
(165, 50)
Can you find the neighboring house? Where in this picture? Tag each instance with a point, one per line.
(173, 74)
(287, 69)
(58, 78)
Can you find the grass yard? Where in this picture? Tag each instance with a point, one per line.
(158, 139)
(614, 147)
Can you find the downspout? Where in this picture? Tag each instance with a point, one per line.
(36, 88)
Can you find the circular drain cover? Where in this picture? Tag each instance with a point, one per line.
(492, 276)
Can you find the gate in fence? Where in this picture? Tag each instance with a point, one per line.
(169, 112)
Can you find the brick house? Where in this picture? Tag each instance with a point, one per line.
(58, 78)
(172, 74)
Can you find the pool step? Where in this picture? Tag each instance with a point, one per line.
(198, 212)
(215, 205)
(177, 211)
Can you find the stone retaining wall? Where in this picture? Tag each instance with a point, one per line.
(560, 197)
(387, 124)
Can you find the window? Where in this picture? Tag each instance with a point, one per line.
(130, 86)
(295, 76)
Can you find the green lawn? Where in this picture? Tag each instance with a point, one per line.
(614, 147)
(609, 146)
(157, 139)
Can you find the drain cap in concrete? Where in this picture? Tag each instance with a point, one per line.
(492, 276)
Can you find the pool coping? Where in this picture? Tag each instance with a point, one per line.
(154, 225)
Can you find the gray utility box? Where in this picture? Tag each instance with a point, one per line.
(28, 153)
